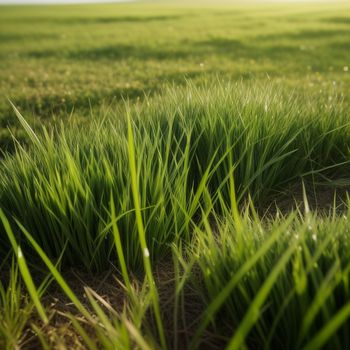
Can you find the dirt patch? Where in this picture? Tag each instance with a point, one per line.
(324, 199)
(181, 312)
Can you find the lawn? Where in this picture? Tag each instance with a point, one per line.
(175, 175)
(59, 60)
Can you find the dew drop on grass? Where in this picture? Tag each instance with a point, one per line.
(146, 253)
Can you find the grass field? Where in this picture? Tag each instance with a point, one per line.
(175, 175)
(56, 60)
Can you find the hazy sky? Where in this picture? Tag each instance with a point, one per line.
(104, 1)
(56, 1)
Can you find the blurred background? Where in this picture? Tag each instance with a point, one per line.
(56, 60)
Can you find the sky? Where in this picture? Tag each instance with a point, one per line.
(15, 2)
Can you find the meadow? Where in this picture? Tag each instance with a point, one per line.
(175, 175)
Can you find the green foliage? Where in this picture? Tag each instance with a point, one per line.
(186, 142)
(112, 165)
(173, 171)
(292, 295)
(54, 60)
(15, 310)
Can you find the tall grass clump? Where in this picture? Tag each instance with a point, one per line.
(264, 284)
(188, 143)
(16, 308)
(281, 283)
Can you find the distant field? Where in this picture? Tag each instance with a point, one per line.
(56, 59)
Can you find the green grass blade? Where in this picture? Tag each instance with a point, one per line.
(119, 248)
(142, 234)
(253, 312)
(329, 329)
(24, 269)
(215, 305)
(26, 127)
(56, 274)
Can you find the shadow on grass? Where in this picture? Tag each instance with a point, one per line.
(45, 106)
(337, 20)
(284, 47)
(198, 50)
(113, 52)
(97, 20)
(343, 46)
(236, 49)
(309, 34)
(123, 51)
(10, 37)
(50, 110)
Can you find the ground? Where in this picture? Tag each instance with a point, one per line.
(184, 175)
(61, 60)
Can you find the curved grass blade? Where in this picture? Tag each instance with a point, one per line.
(329, 329)
(142, 234)
(55, 273)
(215, 305)
(24, 269)
(253, 312)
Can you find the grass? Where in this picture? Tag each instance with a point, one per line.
(169, 188)
(137, 183)
(16, 309)
(284, 289)
(57, 60)
(65, 181)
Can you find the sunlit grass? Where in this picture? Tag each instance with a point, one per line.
(76, 58)
(162, 146)
(177, 177)
(186, 142)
